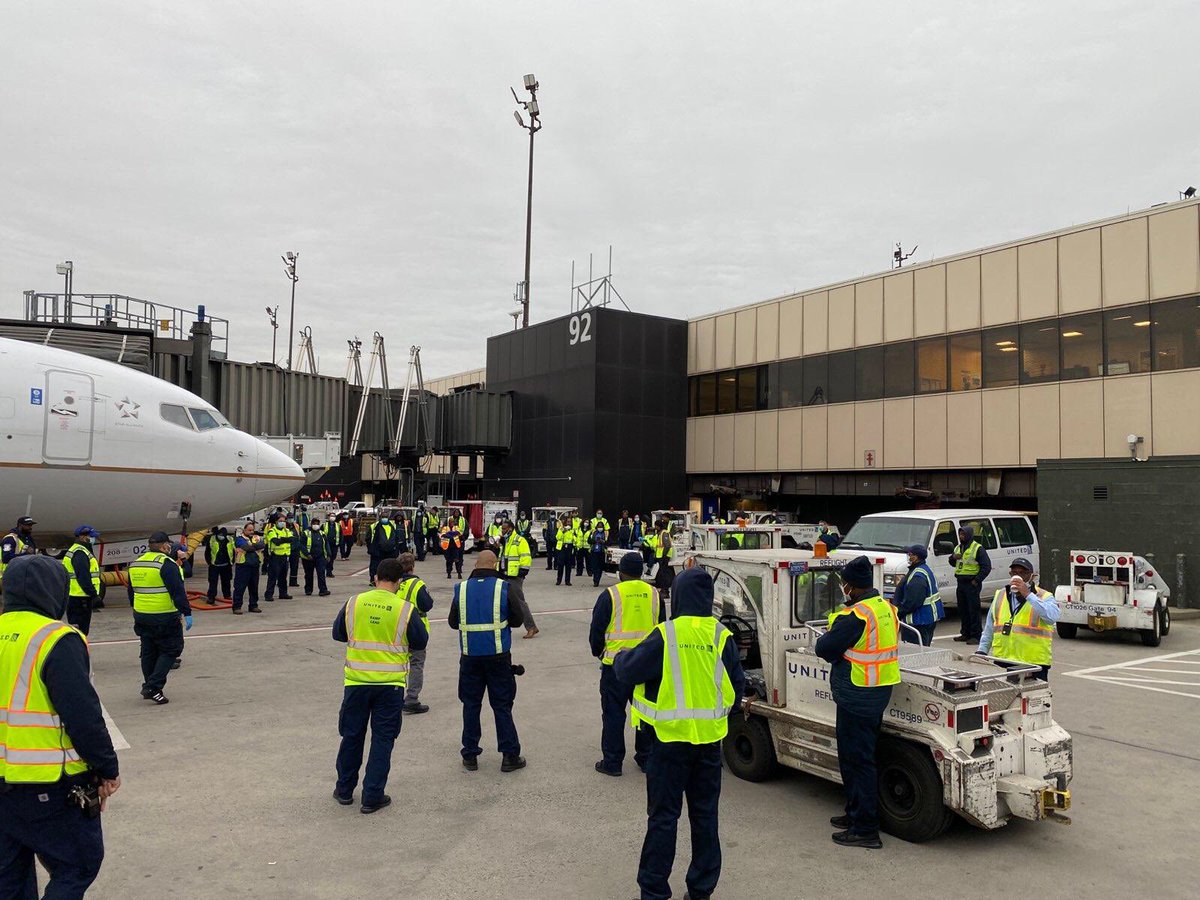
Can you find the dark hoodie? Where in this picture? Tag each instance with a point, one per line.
(39, 584)
(691, 595)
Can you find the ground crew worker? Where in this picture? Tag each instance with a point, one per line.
(523, 525)
(218, 555)
(827, 536)
(623, 615)
(380, 631)
(248, 551)
(347, 538)
(452, 546)
(624, 530)
(83, 571)
(917, 600)
(564, 543)
(420, 530)
(279, 551)
(971, 568)
(484, 612)
(597, 553)
(1020, 625)
(297, 532)
(550, 542)
(686, 679)
(161, 613)
(383, 542)
(458, 522)
(664, 549)
(433, 531)
(53, 740)
(412, 589)
(862, 648)
(332, 535)
(515, 560)
(648, 541)
(18, 542)
(581, 532)
(312, 556)
(494, 532)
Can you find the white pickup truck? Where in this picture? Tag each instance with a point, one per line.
(960, 737)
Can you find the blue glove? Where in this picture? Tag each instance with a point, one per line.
(187, 623)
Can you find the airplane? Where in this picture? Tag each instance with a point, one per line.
(86, 441)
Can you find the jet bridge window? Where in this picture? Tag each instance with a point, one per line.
(176, 415)
(205, 421)
(815, 594)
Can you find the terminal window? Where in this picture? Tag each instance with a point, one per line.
(1039, 352)
(933, 362)
(966, 361)
(1082, 346)
(1001, 356)
(1175, 333)
(1127, 340)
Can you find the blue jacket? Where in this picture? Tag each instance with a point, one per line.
(644, 663)
(831, 647)
(911, 594)
(480, 587)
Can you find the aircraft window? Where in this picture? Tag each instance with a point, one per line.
(176, 415)
(205, 421)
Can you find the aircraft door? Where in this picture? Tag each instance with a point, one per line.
(69, 418)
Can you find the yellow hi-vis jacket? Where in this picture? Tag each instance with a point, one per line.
(515, 555)
(1029, 639)
(150, 593)
(74, 589)
(875, 659)
(634, 615)
(377, 649)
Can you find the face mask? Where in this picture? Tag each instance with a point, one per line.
(384, 521)
(316, 527)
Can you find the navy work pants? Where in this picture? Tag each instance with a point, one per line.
(454, 558)
(565, 559)
(419, 545)
(551, 553)
(347, 543)
(926, 634)
(245, 579)
(596, 564)
(857, 736)
(676, 770)
(378, 705)
(968, 609)
(277, 576)
(222, 574)
(79, 613)
(495, 675)
(615, 697)
(314, 567)
(294, 569)
(581, 555)
(162, 643)
(35, 819)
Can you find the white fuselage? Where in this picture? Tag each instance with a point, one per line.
(86, 441)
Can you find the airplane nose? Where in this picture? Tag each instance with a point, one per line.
(278, 476)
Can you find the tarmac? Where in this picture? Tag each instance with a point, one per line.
(226, 790)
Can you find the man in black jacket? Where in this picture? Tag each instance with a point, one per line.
(38, 817)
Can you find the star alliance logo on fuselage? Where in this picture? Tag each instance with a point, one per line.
(128, 409)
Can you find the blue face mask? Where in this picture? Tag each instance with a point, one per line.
(384, 521)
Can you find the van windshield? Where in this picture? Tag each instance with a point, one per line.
(880, 533)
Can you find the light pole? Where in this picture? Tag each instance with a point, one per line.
(67, 270)
(534, 126)
(289, 269)
(273, 314)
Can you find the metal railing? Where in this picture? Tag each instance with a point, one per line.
(124, 312)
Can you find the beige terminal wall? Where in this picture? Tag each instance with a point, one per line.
(1150, 255)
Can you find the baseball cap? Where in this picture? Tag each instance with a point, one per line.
(1021, 563)
(86, 529)
(917, 550)
(159, 537)
(26, 520)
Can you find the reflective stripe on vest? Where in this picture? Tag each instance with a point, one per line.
(1030, 640)
(73, 587)
(694, 697)
(34, 747)
(409, 588)
(377, 661)
(20, 551)
(515, 555)
(967, 564)
(150, 594)
(280, 547)
(497, 625)
(634, 615)
(875, 659)
(933, 603)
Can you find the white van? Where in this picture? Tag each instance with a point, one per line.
(1004, 534)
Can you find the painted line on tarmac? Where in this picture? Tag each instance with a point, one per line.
(299, 630)
(118, 739)
(1140, 685)
(1136, 662)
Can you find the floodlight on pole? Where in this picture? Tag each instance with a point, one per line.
(289, 269)
(1188, 193)
(535, 125)
(66, 269)
(273, 314)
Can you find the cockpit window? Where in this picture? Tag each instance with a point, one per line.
(205, 420)
(176, 415)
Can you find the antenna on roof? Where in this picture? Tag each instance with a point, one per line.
(899, 257)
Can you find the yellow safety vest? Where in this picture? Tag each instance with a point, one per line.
(149, 590)
(34, 746)
(581, 538)
(875, 659)
(282, 548)
(214, 546)
(695, 694)
(634, 615)
(74, 589)
(663, 546)
(21, 548)
(566, 538)
(377, 649)
(409, 588)
(1030, 640)
(968, 564)
(239, 553)
(515, 555)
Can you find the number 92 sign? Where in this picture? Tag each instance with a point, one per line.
(580, 328)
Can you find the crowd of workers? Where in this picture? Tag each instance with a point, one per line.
(679, 676)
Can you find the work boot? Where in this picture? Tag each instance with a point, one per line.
(962, 638)
(531, 632)
(415, 709)
(178, 662)
(840, 822)
(368, 808)
(237, 612)
(512, 762)
(345, 801)
(866, 841)
(470, 763)
(605, 770)
(255, 609)
(324, 593)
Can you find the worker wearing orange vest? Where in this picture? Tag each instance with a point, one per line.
(347, 541)
(863, 647)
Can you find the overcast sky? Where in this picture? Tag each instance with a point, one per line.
(729, 152)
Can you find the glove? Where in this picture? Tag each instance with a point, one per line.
(187, 623)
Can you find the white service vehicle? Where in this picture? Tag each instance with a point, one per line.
(358, 508)
(493, 508)
(959, 737)
(1004, 534)
(753, 537)
(1110, 590)
(540, 517)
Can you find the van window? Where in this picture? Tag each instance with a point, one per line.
(983, 532)
(815, 594)
(945, 538)
(176, 415)
(882, 533)
(1014, 532)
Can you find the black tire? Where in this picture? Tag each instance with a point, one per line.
(1152, 637)
(748, 749)
(1165, 620)
(910, 792)
(1066, 630)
